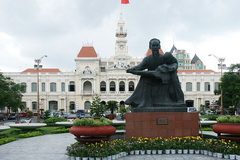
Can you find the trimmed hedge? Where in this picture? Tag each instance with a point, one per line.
(53, 120)
(6, 140)
(62, 130)
(30, 134)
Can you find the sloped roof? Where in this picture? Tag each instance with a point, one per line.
(173, 49)
(87, 51)
(195, 70)
(49, 70)
(195, 59)
(149, 52)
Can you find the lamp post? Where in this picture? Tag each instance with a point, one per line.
(38, 67)
(221, 66)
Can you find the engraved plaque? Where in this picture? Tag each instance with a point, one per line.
(162, 121)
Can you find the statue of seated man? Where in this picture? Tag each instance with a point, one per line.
(158, 85)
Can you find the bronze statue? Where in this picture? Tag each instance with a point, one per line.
(159, 85)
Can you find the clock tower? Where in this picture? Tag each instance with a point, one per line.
(121, 34)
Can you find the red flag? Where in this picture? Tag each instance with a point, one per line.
(124, 1)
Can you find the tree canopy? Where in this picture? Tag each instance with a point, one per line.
(97, 108)
(10, 93)
(112, 106)
(230, 85)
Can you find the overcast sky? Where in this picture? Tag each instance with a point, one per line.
(30, 29)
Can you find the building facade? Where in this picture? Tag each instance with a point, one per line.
(107, 77)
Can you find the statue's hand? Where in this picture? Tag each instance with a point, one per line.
(130, 70)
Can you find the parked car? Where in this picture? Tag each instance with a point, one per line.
(2, 117)
(87, 115)
(54, 114)
(72, 116)
(65, 115)
(13, 116)
(81, 115)
(191, 109)
(23, 114)
(79, 112)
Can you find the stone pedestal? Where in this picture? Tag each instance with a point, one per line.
(162, 124)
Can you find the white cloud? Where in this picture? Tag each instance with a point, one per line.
(58, 28)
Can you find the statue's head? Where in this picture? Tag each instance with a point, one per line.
(169, 58)
(154, 44)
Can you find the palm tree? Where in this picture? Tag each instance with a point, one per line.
(112, 106)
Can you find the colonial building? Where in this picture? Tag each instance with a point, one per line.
(107, 77)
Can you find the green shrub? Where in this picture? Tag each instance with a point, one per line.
(92, 122)
(30, 134)
(210, 117)
(120, 127)
(234, 119)
(223, 119)
(206, 129)
(6, 140)
(54, 120)
(62, 130)
(2, 135)
(228, 119)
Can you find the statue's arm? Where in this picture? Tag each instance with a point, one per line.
(138, 67)
(172, 67)
(166, 68)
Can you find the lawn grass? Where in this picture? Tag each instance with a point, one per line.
(13, 134)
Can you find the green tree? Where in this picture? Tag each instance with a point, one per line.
(230, 85)
(97, 108)
(10, 94)
(112, 106)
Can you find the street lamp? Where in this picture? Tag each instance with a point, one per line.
(220, 66)
(38, 67)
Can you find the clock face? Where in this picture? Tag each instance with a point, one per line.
(121, 47)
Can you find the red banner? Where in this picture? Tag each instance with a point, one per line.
(124, 1)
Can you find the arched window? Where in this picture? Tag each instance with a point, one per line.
(103, 86)
(71, 87)
(87, 106)
(131, 86)
(34, 87)
(104, 104)
(53, 105)
(189, 86)
(63, 87)
(121, 104)
(112, 86)
(43, 87)
(72, 105)
(23, 106)
(198, 86)
(216, 84)
(206, 86)
(34, 106)
(121, 86)
(87, 86)
(207, 103)
(24, 86)
(189, 103)
(53, 87)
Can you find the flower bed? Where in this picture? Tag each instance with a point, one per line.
(194, 145)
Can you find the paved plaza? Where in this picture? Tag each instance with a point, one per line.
(53, 147)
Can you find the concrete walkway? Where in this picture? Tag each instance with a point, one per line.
(53, 147)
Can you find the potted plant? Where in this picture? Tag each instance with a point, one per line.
(92, 130)
(229, 125)
(112, 106)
